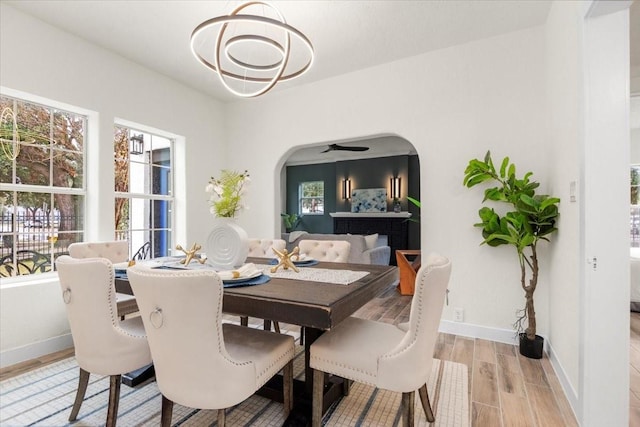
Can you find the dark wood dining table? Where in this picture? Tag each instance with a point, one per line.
(316, 306)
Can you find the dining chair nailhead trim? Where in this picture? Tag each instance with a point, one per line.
(348, 367)
(288, 355)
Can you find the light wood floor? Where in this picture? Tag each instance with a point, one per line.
(505, 389)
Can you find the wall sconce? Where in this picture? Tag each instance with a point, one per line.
(346, 189)
(395, 187)
(136, 144)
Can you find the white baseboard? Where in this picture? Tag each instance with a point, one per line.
(569, 391)
(35, 350)
(508, 336)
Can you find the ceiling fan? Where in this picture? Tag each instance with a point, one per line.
(336, 147)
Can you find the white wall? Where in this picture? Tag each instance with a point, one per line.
(564, 86)
(452, 105)
(42, 60)
(635, 146)
(635, 128)
(604, 293)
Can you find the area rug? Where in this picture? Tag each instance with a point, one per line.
(44, 397)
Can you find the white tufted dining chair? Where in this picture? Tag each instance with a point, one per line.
(199, 361)
(384, 355)
(114, 251)
(263, 248)
(103, 343)
(326, 250)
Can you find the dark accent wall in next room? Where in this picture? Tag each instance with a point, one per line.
(317, 172)
(364, 173)
(373, 173)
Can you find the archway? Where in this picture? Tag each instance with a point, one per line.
(366, 163)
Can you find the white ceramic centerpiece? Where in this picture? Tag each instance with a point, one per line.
(228, 244)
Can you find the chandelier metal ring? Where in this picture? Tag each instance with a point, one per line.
(280, 65)
(242, 18)
(266, 40)
(8, 119)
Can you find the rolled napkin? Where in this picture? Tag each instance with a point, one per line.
(247, 270)
(120, 266)
(302, 257)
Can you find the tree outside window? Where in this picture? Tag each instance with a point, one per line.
(42, 186)
(143, 191)
(311, 198)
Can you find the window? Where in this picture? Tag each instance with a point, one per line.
(311, 198)
(635, 206)
(42, 186)
(143, 191)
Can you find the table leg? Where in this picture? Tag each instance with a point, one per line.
(333, 387)
(138, 376)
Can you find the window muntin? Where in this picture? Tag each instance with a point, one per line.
(143, 191)
(42, 187)
(311, 198)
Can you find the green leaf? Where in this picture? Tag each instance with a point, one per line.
(487, 157)
(476, 179)
(486, 214)
(414, 201)
(503, 167)
(493, 194)
(529, 201)
(500, 239)
(549, 202)
(527, 240)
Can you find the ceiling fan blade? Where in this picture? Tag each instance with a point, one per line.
(336, 147)
(354, 148)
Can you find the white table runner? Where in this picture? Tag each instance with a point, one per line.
(326, 275)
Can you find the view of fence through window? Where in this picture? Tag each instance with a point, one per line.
(42, 185)
(143, 191)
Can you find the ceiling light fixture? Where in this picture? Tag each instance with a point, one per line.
(395, 187)
(346, 189)
(9, 127)
(251, 52)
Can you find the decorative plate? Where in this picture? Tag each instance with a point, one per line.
(246, 278)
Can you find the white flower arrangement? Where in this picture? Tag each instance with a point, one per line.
(226, 193)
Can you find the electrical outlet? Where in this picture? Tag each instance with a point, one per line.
(458, 314)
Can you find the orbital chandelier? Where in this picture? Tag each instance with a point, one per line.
(252, 52)
(9, 127)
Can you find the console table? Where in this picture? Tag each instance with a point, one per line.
(393, 225)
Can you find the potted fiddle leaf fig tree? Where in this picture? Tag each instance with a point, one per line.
(528, 219)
